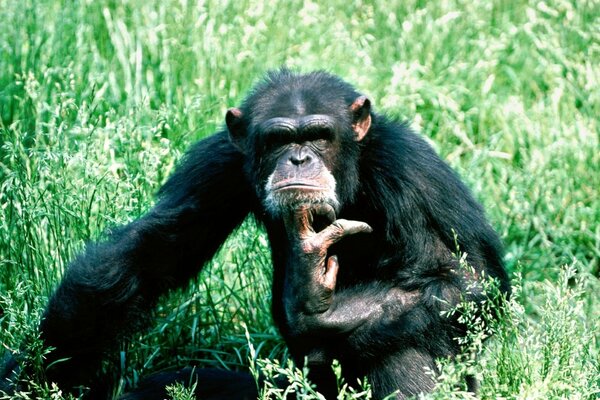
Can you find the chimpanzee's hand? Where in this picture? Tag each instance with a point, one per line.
(310, 275)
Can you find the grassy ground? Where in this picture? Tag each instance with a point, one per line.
(99, 98)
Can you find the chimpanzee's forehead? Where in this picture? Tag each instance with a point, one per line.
(285, 94)
(298, 103)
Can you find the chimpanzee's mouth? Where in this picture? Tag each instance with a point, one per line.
(285, 193)
(296, 185)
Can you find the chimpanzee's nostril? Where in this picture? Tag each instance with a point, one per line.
(300, 157)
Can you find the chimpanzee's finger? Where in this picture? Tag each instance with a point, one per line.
(342, 227)
(330, 275)
(299, 221)
(324, 210)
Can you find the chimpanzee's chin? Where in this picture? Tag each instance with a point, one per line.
(278, 206)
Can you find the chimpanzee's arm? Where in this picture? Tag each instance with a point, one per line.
(370, 318)
(374, 315)
(111, 286)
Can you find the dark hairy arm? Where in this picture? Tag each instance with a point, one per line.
(108, 290)
(365, 317)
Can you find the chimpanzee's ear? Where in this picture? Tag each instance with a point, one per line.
(237, 133)
(361, 116)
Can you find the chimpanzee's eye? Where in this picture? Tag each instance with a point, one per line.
(274, 140)
(320, 144)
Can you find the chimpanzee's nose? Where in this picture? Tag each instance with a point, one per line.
(300, 156)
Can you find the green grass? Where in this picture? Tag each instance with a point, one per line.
(98, 100)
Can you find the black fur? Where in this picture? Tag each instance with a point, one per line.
(391, 180)
(110, 289)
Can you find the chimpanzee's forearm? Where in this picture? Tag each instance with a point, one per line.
(377, 316)
(352, 308)
(109, 288)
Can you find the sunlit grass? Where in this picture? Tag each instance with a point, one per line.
(99, 99)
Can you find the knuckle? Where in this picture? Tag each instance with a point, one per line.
(338, 227)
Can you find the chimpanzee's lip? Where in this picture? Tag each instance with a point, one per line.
(289, 184)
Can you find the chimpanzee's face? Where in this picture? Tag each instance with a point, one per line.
(296, 159)
(301, 158)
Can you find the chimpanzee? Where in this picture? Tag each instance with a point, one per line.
(363, 220)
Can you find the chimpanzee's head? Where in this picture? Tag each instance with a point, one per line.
(300, 135)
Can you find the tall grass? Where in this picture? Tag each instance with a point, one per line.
(99, 98)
